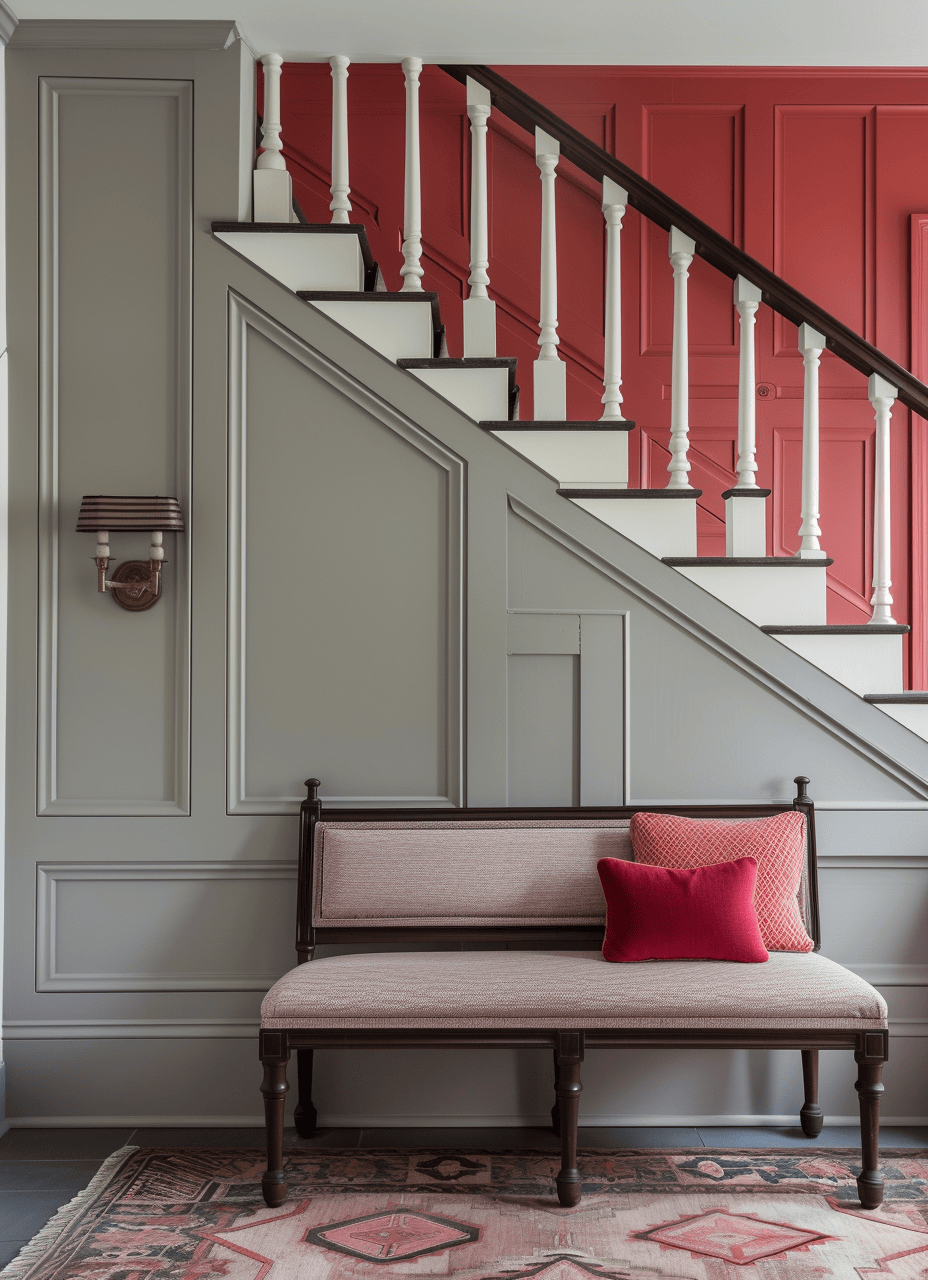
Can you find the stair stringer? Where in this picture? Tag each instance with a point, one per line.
(857, 756)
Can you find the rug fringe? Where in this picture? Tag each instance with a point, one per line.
(39, 1245)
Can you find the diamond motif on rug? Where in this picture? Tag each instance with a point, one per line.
(384, 1237)
(733, 1237)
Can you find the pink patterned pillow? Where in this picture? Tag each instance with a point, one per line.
(778, 844)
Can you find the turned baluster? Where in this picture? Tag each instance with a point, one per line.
(615, 200)
(811, 344)
(411, 270)
(479, 307)
(747, 300)
(272, 192)
(882, 396)
(550, 371)
(341, 205)
(681, 249)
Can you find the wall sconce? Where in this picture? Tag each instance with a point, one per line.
(135, 584)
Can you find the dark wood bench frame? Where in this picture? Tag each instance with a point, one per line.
(870, 1048)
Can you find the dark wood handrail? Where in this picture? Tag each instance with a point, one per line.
(710, 244)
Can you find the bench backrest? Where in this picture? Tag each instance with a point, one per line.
(506, 876)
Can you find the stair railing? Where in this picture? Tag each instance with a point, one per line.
(689, 237)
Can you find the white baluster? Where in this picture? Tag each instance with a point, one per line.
(479, 307)
(811, 344)
(272, 192)
(747, 300)
(681, 249)
(341, 205)
(615, 200)
(882, 396)
(411, 270)
(550, 371)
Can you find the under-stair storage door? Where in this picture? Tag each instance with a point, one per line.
(566, 708)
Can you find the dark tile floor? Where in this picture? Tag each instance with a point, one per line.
(42, 1169)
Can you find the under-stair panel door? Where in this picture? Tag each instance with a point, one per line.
(346, 572)
(565, 708)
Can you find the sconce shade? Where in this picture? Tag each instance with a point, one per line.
(129, 514)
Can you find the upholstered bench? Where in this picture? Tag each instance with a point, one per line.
(525, 881)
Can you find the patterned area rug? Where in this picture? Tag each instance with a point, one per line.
(158, 1214)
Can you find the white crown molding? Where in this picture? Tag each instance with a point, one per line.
(8, 22)
(58, 33)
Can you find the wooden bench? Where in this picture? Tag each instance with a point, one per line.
(525, 881)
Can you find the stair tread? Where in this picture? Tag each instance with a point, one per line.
(312, 228)
(842, 629)
(912, 696)
(747, 493)
(630, 493)
(547, 424)
(783, 562)
(455, 362)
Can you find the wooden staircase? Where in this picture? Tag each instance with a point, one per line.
(330, 267)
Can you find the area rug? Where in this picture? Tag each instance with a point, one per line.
(678, 1214)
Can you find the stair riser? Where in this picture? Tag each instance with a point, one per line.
(861, 662)
(576, 459)
(914, 717)
(306, 261)
(664, 527)
(483, 394)
(769, 596)
(398, 330)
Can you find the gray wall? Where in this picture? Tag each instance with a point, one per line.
(372, 590)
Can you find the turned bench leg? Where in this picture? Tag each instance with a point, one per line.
(305, 1116)
(810, 1117)
(567, 1059)
(555, 1110)
(275, 1053)
(872, 1051)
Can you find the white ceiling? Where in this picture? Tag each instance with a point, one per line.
(592, 32)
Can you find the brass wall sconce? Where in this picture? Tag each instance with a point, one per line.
(135, 584)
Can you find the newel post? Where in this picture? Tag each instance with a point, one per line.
(615, 202)
(479, 307)
(411, 270)
(272, 191)
(811, 344)
(550, 371)
(681, 250)
(340, 205)
(882, 396)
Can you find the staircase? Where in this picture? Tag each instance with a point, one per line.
(331, 267)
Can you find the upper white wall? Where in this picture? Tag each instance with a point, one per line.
(624, 32)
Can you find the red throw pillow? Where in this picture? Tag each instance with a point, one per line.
(703, 914)
(778, 843)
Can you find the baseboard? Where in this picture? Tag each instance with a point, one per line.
(540, 1121)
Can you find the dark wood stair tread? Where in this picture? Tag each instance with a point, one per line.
(313, 228)
(758, 562)
(747, 493)
(630, 493)
(913, 697)
(547, 424)
(864, 629)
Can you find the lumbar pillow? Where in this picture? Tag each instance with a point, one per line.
(707, 913)
(777, 843)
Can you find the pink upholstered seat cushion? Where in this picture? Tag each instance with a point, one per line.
(705, 913)
(778, 844)
(568, 989)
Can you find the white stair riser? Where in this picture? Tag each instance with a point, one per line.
(304, 260)
(576, 459)
(483, 394)
(663, 526)
(914, 715)
(862, 662)
(745, 526)
(767, 595)
(398, 330)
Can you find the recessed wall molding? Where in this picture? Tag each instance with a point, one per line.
(134, 1029)
(245, 319)
(55, 95)
(50, 976)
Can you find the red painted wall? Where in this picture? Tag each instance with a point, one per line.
(817, 173)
